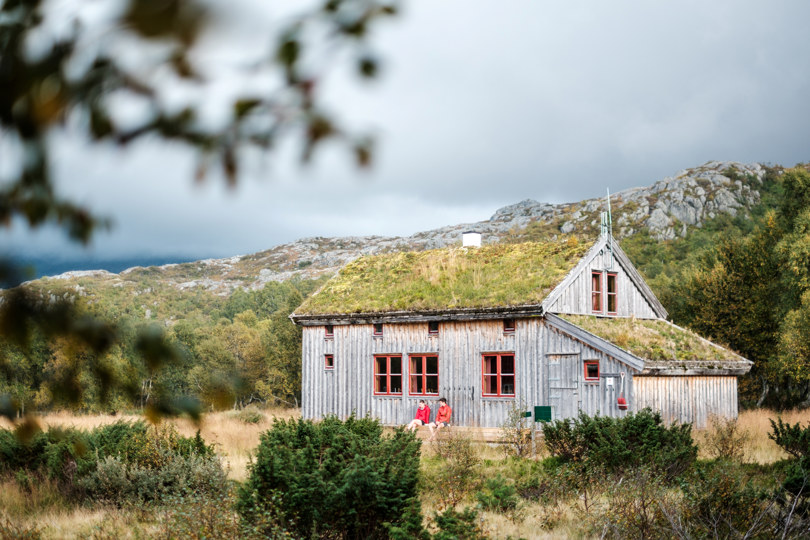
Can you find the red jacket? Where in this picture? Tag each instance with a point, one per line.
(444, 413)
(423, 414)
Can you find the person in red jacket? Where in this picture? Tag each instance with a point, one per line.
(442, 418)
(422, 416)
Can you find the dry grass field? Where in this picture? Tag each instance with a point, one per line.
(235, 440)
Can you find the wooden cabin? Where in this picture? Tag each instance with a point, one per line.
(563, 324)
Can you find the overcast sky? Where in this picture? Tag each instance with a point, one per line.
(480, 104)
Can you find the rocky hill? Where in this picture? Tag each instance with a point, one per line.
(666, 209)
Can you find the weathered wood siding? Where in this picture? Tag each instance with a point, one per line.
(459, 345)
(576, 297)
(571, 393)
(688, 399)
(541, 354)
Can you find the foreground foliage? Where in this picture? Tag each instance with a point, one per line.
(344, 479)
(118, 463)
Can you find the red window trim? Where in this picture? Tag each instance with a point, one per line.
(498, 373)
(509, 329)
(424, 374)
(388, 374)
(432, 332)
(585, 368)
(596, 293)
(375, 332)
(329, 361)
(329, 331)
(615, 293)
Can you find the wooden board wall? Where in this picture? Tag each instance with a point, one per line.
(688, 399)
(576, 297)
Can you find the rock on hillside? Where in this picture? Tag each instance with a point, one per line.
(666, 209)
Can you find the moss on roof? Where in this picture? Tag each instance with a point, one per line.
(498, 275)
(654, 340)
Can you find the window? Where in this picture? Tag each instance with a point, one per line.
(611, 293)
(596, 292)
(591, 370)
(433, 328)
(499, 374)
(424, 373)
(378, 329)
(387, 375)
(330, 331)
(509, 326)
(329, 361)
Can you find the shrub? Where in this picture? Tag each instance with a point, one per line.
(199, 517)
(497, 495)
(249, 415)
(458, 475)
(118, 482)
(720, 501)
(725, 440)
(634, 506)
(616, 444)
(125, 461)
(516, 433)
(338, 478)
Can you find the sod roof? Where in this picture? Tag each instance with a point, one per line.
(654, 340)
(498, 275)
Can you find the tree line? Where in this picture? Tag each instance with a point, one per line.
(224, 352)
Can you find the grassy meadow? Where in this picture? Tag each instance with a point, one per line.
(40, 506)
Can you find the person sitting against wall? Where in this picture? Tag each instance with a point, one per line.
(422, 416)
(442, 418)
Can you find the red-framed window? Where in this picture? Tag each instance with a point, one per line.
(329, 331)
(433, 328)
(596, 292)
(378, 329)
(424, 375)
(498, 374)
(329, 361)
(591, 370)
(388, 375)
(611, 292)
(509, 326)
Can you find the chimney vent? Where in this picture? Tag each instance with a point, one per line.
(470, 239)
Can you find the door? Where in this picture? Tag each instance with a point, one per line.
(563, 385)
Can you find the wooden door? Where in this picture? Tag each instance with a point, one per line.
(563, 385)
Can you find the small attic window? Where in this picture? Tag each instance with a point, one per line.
(612, 293)
(330, 331)
(509, 326)
(329, 361)
(378, 329)
(433, 328)
(591, 370)
(596, 292)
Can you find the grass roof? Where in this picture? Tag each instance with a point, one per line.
(654, 340)
(498, 275)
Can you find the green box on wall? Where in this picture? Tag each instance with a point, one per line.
(542, 413)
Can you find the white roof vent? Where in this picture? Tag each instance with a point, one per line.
(470, 239)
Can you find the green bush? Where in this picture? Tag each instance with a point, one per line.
(338, 478)
(497, 495)
(721, 501)
(124, 461)
(616, 444)
(117, 482)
